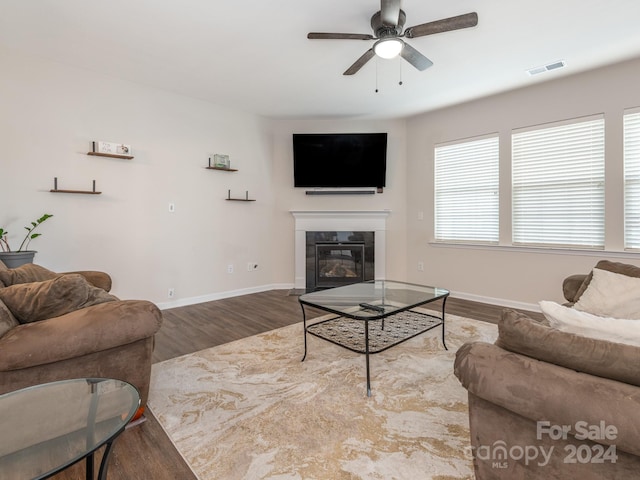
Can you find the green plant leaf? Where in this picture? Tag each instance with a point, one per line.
(30, 236)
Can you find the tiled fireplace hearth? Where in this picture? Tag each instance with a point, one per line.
(328, 223)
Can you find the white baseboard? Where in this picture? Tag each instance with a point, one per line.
(532, 307)
(183, 302)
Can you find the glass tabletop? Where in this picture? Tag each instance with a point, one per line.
(373, 299)
(51, 426)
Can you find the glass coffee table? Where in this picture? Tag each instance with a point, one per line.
(47, 428)
(372, 316)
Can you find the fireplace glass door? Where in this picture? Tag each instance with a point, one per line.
(339, 264)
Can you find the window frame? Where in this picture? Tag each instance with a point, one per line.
(535, 154)
(467, 150)
(631, 148)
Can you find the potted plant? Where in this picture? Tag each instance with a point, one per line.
(13, 259)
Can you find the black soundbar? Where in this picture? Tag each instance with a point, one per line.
(340, 192)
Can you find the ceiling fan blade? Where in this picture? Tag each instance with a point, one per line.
(339, 36)
(390, 12)
(368, 55)
(414, 57)
(445, 25)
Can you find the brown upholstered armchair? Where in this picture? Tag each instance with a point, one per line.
(549, 404)
(60, 326)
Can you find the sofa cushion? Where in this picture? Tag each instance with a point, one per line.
(615, 267)
(571, 285)
(84, 332)
(27, 273)
(30, 302)
(611, 294)
(97, 279)
(3, 267)
(7, 320)
(520, 334)
(594, 326)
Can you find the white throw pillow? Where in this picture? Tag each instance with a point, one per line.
(587, 325)
(611, 295)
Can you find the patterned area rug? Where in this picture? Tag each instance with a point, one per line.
(252, 410)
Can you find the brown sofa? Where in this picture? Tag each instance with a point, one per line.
(60, 326)
(547, 404)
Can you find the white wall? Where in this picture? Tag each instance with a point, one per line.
(512, 276)
(51, 113)
(288, 198)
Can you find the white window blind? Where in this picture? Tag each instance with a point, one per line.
(466, 191)
(632, 180)
(558, 185)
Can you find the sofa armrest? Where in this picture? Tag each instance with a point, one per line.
(92, 329)
(571, 285)
(543, 391)
(97, 279)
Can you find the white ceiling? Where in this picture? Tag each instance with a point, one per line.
(254, 54)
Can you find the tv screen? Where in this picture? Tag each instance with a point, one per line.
(339, 159)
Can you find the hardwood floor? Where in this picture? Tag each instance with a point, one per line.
(144, 451)
(196, 327)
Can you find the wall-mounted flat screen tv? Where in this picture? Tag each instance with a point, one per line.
(339, 159)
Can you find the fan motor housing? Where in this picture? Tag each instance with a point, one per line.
(382, 31)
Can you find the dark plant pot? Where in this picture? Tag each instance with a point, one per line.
(15, 259)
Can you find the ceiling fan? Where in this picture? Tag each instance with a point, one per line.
(387, 25)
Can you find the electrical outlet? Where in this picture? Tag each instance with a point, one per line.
(421, 266)
(230, 268)
(171, 293)
(251, 266)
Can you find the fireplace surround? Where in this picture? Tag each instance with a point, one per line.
(333, 221)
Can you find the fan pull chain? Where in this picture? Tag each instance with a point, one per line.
(377, 74)
(400, 65)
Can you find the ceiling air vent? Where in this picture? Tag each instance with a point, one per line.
(546, 68)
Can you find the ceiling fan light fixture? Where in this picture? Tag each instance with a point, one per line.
(388, 47)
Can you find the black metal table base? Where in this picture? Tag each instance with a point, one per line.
(375, 335)
(104, 463)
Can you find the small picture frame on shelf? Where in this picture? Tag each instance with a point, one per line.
(221, 161)
(111, 148)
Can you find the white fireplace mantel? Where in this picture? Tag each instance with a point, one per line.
(340, 221)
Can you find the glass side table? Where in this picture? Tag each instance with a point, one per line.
(46, 428)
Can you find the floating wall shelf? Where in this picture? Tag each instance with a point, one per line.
(223, 169)
(87, 192)
(112, 155)
(246, 199)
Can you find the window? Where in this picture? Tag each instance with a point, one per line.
(632, 180)
(466, 191)
(558, 185)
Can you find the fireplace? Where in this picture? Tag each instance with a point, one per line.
(334, 226)
(339, 264)
(339, 258)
